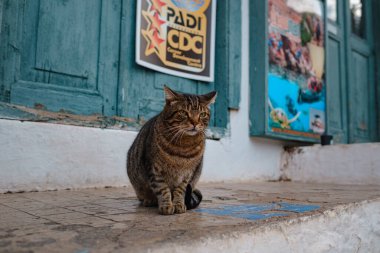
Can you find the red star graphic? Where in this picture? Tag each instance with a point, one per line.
(157, 5)
(157, 22)
(156, 40)
(154, 21)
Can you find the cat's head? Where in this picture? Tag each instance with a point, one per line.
(187, 114)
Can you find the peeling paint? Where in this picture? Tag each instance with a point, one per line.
(343, 164)
(39, 114)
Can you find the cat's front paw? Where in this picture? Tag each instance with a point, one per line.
(180, 208)
(166, 209)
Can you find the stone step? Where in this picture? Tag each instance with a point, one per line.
(245, 217)
(341, 164)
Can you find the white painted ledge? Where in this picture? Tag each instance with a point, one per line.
(339, 164)
(43, 156)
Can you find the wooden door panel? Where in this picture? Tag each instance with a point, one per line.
(43, 96)
(360, 97)
(351, 105)
(335, 94)
(67, 40)
(360, 68)
(68, 55)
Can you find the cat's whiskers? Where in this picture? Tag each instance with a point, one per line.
(177, 136)
(172, 128)
(180, 138)
(170, 131)
(173, 135)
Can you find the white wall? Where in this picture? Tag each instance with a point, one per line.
(38, 156)
(41, 156)
(339, 164)
(240, 157)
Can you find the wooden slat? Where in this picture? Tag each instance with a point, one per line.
(62, 55)
(234, 52)
(36, 95)
(258, 67)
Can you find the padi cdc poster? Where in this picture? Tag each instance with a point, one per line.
(296, 78)
(177, 37)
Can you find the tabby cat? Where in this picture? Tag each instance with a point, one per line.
(165, 160)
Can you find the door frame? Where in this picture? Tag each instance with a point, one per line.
(376, 23)
(354, 42)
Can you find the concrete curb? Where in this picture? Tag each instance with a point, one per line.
(353, 227)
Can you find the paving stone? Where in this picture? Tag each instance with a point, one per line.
(49, 211)
(96, 209)
(112, 219)
(66, 217)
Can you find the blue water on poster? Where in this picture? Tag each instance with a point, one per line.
(280, 90)
(189, 5)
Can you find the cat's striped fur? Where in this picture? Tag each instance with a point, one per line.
(165, 160)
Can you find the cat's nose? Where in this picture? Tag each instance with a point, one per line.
(195, 126)
(192, 122)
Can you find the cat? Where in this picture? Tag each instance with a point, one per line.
(165, 160)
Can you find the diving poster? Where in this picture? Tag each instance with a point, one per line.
(177, 37)
(296, 81)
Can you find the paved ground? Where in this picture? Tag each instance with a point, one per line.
(111, 220)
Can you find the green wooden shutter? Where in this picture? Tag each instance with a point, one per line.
(61, 55)
(79, 56)
(351, 93)
(336, 78)
(362, 108)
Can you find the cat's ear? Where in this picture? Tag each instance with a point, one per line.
(170, 95)
(209, 98)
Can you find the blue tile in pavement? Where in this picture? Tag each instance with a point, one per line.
(259, 211)
(298, 208)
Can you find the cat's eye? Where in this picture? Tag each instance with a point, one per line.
(203, 115)
(182, 114)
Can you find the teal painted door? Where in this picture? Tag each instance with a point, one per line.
(350, 72)
(336, 73)
(78, 56)
(361, 89)
(64, 55)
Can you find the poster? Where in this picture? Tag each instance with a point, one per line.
(296, 81)
(177, 37)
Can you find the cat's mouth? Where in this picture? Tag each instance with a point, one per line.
(192, 132)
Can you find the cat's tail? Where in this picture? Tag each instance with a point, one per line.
(192, 197)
